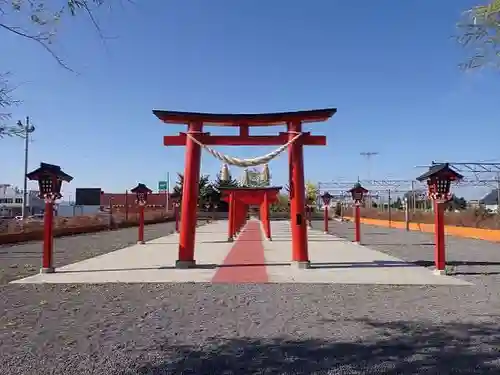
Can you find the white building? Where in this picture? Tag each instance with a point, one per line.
(11, 201)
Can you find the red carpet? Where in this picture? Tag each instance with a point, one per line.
(245, 261)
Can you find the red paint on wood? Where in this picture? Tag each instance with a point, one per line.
(244, 140)
(245, 261)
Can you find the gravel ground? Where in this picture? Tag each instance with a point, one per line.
(250, 329)
(246, 329)
(17, 261)
(473, 260)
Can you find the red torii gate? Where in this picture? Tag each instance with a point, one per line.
(195, 122)
(239, 198)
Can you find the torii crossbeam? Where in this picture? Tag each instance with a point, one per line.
(195, 123)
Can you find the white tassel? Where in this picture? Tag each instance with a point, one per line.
(266, 176)
(245, 181)
(224, 173)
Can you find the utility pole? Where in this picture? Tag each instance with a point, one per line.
(368, 155)
(27, 130)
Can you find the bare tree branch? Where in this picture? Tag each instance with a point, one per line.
(6, 101)
(37, 21)
(479, 34)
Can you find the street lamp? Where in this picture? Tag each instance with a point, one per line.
(50, 178)
(23, 131)
(326, 197)
(141, 191)
(439, 178)
(357, 192)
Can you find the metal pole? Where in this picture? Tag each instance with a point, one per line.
(407, 214)
(498, 193)
(27, 131)
(167, 193)
(413, 196)
(389, 206)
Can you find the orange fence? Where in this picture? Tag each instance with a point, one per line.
(466, 232)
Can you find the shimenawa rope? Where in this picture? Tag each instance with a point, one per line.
(231, 160)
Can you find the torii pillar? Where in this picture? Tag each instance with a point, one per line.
(245, 196)
(264, 215)
(195, 121)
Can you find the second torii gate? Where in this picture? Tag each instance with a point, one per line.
(239, 198)
(195, 138)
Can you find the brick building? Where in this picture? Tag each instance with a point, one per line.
(156, 201)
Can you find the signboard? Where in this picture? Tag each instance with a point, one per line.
(162, 186)
(88, 196)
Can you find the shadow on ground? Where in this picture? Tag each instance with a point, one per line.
(393, 348)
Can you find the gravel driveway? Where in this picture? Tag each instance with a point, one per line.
(246, 329)
(466, 258)
(209, 329)
(17, 261)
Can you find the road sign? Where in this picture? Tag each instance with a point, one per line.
(162, 186)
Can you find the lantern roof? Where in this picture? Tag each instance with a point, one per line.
(357, 186)
(443, 169)
(141, 188)
(49, 169)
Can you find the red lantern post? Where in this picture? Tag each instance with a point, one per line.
(207, 206)
(326, 197)
(50, 178)
(214, 211)
(177, 215)
(309, 212)
(141, 191)
(439, 178)
(357, 193)
(175, 197)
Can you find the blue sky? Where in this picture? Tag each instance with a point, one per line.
(391, 70)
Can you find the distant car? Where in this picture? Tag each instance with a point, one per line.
(18, 218)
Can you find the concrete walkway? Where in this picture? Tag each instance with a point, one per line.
(153, 262)
(335, 260)
(250, 259)
(245, 262)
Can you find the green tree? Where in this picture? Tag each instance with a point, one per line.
(217, 187)
(37, 21)
(398, 204)
(282, 204)
(311, 192)
(204, 188)
(479, 34)
(457, 203)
